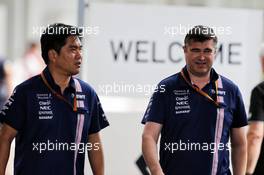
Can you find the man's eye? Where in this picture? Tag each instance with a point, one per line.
(195, 50)
(208, 51)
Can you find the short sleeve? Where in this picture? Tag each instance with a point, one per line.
(156, 110)
(13, 112)
(2, 69)
(256, 108)
(98, 118)
(239, 115)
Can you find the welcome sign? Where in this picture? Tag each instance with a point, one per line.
(136, 46)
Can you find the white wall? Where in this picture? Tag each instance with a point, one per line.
(3, 30)
(41, 13)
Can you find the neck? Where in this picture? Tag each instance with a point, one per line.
(199, 81)
(61, 79)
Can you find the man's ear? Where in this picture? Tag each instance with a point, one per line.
(52, 55)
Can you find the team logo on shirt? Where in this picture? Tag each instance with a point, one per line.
(148, 108)
(182, 105)
(181, 92)
(222, 93)
(44, 102)
(80, 97)
(103, 114)
(8, 103)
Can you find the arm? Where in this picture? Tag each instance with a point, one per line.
(8, 78)
(149, 147)
(7, 134)
(239, 150)
(254, 137)
(96, 156)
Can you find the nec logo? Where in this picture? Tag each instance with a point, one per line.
(182, 103)
(45, 108)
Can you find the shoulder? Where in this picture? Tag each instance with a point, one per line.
(228, 84)
(259, 89)
(29, 84)
(170, 82)
(231, 88)
(86, 88)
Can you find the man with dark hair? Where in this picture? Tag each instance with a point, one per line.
(54, 116)
(195, 116)
(255, 135)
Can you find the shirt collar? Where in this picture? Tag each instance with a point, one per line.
(213, 75)
(53, 84)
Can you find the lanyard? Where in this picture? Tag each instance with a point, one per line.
(59, 95)
(202, 92)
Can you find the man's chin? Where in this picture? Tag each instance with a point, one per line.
(75, 72)
(201, 73)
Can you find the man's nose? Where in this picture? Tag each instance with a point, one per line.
(79, 54)
(201, 56)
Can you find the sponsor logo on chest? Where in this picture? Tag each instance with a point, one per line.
(44, 102)
(80, 97)
(182, 101)
(222, 93)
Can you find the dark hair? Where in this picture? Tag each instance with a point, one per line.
(55, 36)
(200, 33)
